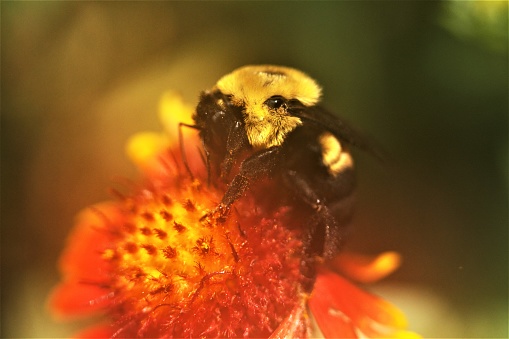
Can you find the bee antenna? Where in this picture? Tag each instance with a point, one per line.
(206, 163)
(182, 149)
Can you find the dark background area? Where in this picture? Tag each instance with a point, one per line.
(427, 80)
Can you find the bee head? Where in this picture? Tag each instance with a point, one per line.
(264, 94)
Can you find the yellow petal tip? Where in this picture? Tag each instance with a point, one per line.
(173, 110)
(143, 148)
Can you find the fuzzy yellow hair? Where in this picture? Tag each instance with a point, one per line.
(251, 86)
(255, 84)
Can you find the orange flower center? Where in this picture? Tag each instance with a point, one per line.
(177, 275)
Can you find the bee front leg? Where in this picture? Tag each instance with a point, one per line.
(258, 165)
(236, 142)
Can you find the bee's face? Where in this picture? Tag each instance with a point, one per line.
(263, 94)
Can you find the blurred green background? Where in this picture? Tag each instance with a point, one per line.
(427, 80)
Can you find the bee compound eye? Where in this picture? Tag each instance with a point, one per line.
(228, 99)
(275, 102)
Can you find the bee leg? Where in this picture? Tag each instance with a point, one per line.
(308, 263)
(323, 236)
(236, 142)
(308, 270)
(254, 167)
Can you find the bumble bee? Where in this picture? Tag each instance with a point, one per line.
(265, 122)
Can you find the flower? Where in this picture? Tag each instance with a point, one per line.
(156, 265)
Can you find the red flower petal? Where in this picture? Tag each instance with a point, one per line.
(340, 309)
(82, 264)
(82, 257)
(332, 323)
(73, 299)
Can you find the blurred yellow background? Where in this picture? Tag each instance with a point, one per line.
(427, 80)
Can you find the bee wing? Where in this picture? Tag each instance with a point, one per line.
(338, 127)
